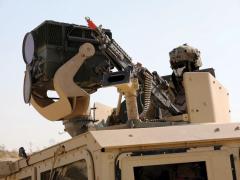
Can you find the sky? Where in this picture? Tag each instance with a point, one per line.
(147, 30)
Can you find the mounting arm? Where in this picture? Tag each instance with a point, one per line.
(73, 100)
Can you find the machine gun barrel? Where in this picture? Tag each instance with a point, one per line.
(124, 63)
(111, 48)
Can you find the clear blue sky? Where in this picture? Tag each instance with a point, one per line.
(147, 30)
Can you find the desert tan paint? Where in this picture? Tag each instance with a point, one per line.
(66, 88)
(129, 90)
(101, 164)
(207, 99)
(100, 149)
(217, 163)
(102, 111)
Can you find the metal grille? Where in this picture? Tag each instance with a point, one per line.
(41, 36)
(54, 34)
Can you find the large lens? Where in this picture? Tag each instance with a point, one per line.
(27, 87)
(28, 48)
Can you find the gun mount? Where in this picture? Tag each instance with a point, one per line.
(75, 61)
(75, 65)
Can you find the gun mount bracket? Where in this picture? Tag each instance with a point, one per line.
(70, 94)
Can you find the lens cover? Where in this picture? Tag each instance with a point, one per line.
(28, 47)
(27, 86)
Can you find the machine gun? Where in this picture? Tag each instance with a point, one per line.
(152, 83)
(75, 61)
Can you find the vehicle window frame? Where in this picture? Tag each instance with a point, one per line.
(66, 159)
(26, 173)
(212, 160)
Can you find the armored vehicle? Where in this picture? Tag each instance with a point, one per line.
(147, 136)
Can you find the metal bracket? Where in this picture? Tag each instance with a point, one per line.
(66, 89)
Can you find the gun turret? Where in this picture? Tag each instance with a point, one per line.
(75, 61)
(154, 85)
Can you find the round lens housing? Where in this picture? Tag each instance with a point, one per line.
(28, 48)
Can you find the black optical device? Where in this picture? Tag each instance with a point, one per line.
(51, 44)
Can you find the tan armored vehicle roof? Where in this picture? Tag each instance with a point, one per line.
(183, 134)
(97, 143)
